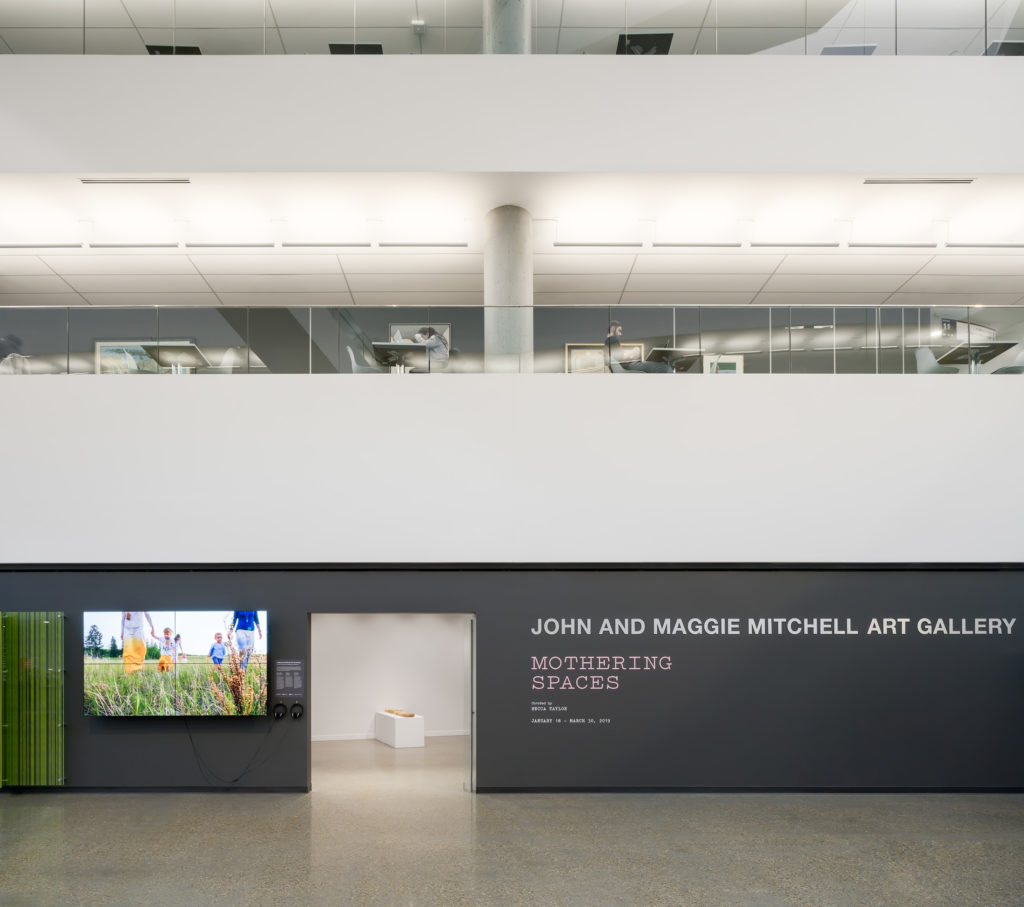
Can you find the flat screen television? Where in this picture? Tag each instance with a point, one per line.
(160, 663)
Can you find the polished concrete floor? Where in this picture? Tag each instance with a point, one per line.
(398, 827)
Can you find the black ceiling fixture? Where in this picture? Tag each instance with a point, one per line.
(177, 50)
(356, 48)
(644, 45)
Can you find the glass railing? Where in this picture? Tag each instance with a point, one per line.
(624, 27)
(667, 340)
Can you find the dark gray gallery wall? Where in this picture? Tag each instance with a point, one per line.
(824, 710)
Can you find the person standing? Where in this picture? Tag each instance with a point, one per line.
(243, 624)
(133, 639)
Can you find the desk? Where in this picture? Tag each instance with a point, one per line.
(400, 356)
(679, 360)
(975, 354)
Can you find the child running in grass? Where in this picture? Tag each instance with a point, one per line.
(167, 647)
(218, 650)
(179, 650)
(133, 639)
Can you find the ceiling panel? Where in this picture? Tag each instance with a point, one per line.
(413, 263)
(150, 299)
(835, 283)
(43, 40)
(975, 264)
(22, 264)
(668, 14)
(587, 40)
(106, 14)
(312, 13)
(315, 40)
(702, 263)
(414, 283)
(969, 283)
(285, 263)
(41, 14)
(33, 284)
(822, 299)
(220, 14)
(745, 40)
(113, 41)
(137, 283)
(579, 283)
(213, 41)
(96, 263)
(597, 263)
(689, 297)
(150, 13)
(607, 14)
(853, 263)
(415, 300)
(278, 283)
(285, 300)
(387, 14)
(569, 299)
(732, 283)
(758, 13)
(34, 299)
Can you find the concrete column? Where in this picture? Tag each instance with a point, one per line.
(508, 290)
(507, 26)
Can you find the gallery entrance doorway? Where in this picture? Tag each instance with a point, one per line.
(392, 702)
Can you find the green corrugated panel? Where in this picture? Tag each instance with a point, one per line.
(32, 694)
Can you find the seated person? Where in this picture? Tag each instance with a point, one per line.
(437, 350)
(613, 347)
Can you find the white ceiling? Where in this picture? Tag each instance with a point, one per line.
(417, 239)
(454, 26)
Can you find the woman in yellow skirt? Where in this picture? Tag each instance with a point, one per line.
(133, 639)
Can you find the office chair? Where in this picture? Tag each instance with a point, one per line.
(927, 364)
(361, 368)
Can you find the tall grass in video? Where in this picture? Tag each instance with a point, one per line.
(193, 687)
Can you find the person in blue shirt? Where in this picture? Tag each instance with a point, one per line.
(218, 650)
(242, 625)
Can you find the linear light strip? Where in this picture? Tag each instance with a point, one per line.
(17, 245)
(326, 245)
(135, 181)
(132, 245)
(919, 181)
(600, 245)
(424, 245)
(229, 245)
(696, 245)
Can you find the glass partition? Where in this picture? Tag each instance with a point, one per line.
(735, 340)
(33, 341)
(116, 341)
(623, 339)
(611, 27)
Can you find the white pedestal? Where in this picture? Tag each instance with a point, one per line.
(397, 731)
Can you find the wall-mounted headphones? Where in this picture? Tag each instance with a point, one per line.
(297, 710)
(280, 710)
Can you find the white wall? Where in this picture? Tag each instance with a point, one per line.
(522, 468)
(574, 113)
(363, 663)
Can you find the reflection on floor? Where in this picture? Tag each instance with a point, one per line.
(386, 826)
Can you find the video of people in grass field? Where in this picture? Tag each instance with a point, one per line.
(159, 663)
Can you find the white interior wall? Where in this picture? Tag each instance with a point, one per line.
(521, 469)
(765, 114)
(363, 663)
